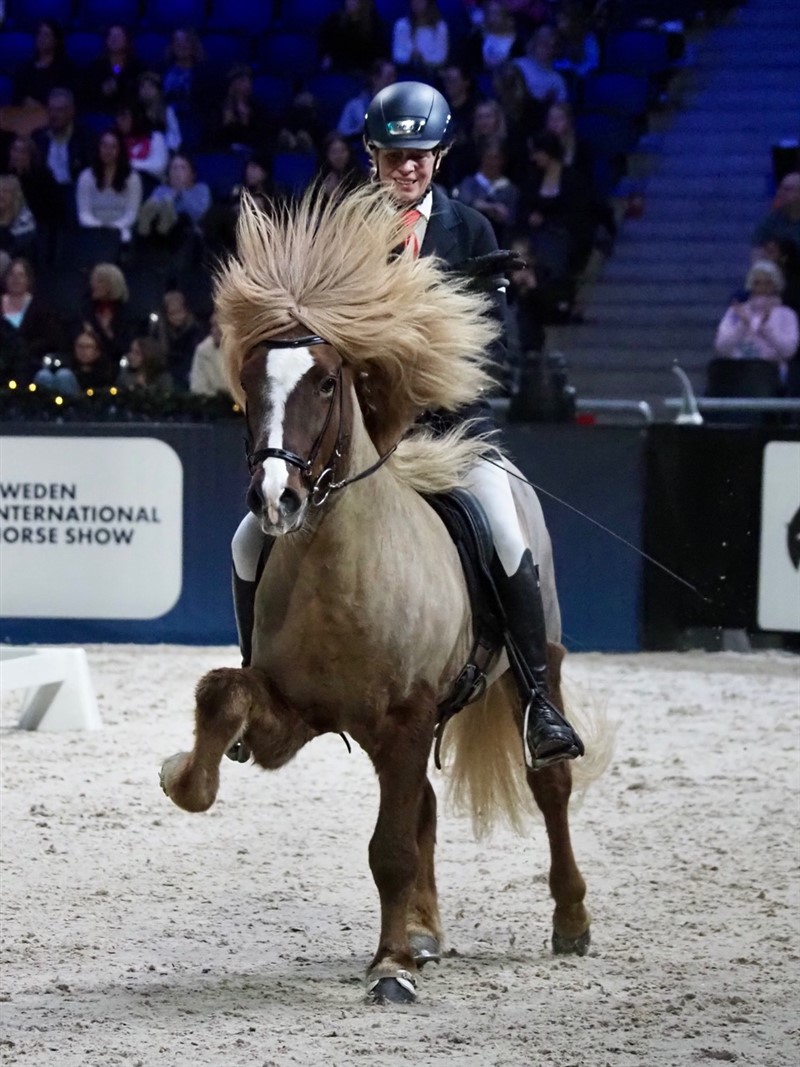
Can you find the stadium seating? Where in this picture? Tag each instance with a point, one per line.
(305, 16)
(81, 249)
(98, 14)
(26, 14)
(223, 50)
(83, 47)
(617, 94)
(5, 90)
(332, 91)
(167, 14)
(15, 47)
(273, 92)
(240, 16)
(151, 48)
(640, 52)
(287, 55)
(220, 171)
(292, 171)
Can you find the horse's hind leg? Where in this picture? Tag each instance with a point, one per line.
(551, 788)
(424, 927)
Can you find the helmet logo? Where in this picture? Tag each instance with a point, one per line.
(404, 127)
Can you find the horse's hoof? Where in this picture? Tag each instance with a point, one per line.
(398, 990)
(170, 769)
(239, 752)
(575, 946)
(424, 949)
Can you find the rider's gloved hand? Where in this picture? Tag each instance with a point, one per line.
(489, 272)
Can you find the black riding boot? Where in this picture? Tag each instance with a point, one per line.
(548, 737)
(244, 608)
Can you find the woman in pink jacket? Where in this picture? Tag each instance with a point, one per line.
(761, 327)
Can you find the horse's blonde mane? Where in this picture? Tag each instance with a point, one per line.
(414, 336)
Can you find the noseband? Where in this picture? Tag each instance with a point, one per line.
(324, 484)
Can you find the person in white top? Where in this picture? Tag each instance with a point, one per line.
(207, 375)
(421, 40)
(109, 193)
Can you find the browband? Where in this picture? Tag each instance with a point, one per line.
(293, 342)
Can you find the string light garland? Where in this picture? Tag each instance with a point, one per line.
(34, 404)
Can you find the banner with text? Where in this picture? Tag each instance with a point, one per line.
(90, 528)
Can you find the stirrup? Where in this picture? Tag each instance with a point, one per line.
(571, 745)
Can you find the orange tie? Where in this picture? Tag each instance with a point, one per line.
(410, 220)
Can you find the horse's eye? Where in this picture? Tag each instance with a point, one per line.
(327, 385)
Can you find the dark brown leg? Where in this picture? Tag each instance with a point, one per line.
(424, 926)
(230, 702)
(551, 788)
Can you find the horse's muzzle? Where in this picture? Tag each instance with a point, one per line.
(278, 519)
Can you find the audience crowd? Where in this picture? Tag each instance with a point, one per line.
(121, 177)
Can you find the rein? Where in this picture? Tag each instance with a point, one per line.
(324, 484)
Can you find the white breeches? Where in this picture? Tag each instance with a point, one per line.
(485, 481)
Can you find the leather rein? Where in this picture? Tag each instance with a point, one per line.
(325, 483)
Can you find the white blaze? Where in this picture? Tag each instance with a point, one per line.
(285, 368)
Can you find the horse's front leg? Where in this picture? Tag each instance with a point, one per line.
(551, 788)
(424, 926)
(231, 703)
(401, 759)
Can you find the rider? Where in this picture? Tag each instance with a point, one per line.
(405, 133)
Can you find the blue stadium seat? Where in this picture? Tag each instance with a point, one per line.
(151, 48)
(332, 91)
(81, 249)
(27, 14)
(273, 92)
(220, 171)
(241, 16)
(96, 122)
(305, 16)
(15, 48)
(641, 52)
(288, 55)
(608, 136)
(617, 94)
(83, 47)
(391, 10)
(292, 171)
(98, 14)
(167, 14)
(5, 90)
(222, 50)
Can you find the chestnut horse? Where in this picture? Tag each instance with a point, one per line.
(335, 344)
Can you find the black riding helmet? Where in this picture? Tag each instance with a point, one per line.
(407, 115)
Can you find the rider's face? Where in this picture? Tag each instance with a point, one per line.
(407, 171)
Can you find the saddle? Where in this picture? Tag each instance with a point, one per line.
(466, 522)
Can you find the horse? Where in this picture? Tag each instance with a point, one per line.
(335, 342)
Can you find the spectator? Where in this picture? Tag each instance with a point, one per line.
(89, 368)
(39, 187)
(351, 123)
(157, 112)
(146, 146)
(340, 170)
(177, 207)
(783, 221)
(208, 376)
(47, 69)
(112, 79)
(30, 318)
(760, 327)
(420, 40)
(494, 41)
(105, 311)
(784, 255)
(65, 146)
(524, 116)
(560, 121)
(219, 226)
(351, 39)
(458, 88)
(144, 369)
(185, 81)
(577, 51)
(178, 335)
(17, 224)
(490, 192)
(242, 122)
(109, 193)
(543, 82)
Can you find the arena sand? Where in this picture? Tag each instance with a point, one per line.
(136, 934)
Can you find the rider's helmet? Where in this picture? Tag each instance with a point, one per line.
(407, 115)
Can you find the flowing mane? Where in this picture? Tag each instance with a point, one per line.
(414, 335)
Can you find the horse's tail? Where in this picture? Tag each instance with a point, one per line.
(482, 751)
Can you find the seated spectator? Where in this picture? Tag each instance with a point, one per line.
(178, 335)
(105, 311)
(208, 376)
(352, 38)
(112, 79)
(32, 321)
(158, 113)
(176, 208)
(783, 221)
(48, 69)
(785, 256)
(146, 146)
(186, 82)
(17, 224)
(109, 192)
(340, 170)
(89, 367)
(302, 128)
(537, 299)
(351, 122)
(494, 41)
(144, 369)
(242, 122)
(524, 116)
(39, 187)
(458, 87)
(65, 146)
(577, 154)
(760, 327)
(577, 49)
(543, 82)
(219, 226)
(490, 192)
(420, 40)
(530, 14)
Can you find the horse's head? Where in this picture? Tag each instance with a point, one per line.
(298, 408)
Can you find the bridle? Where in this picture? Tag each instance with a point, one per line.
(324, 484)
